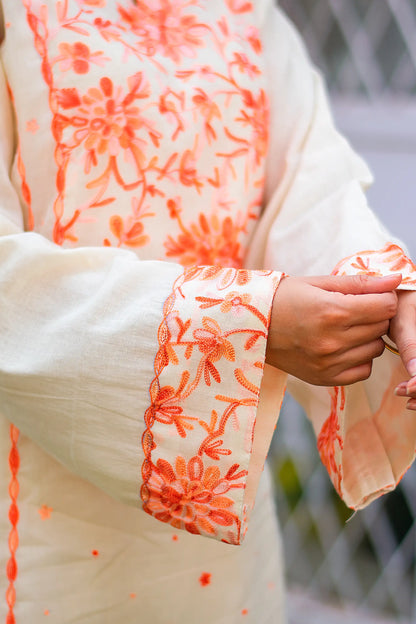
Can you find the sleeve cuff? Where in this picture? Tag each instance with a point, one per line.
(367, 438)
(386, 261)
(203, 451)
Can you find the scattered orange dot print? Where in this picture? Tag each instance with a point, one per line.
(205, 579)
(175, 538)
(133, 595)
(45, 512)
(244, 612)
(32, 126)
(95, 553)
(46, 612)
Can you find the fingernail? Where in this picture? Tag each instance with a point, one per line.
(411, 386)
(411, 404)
(401, 389)
(411, 367)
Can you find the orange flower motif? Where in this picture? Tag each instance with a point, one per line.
(214, 345)
(210, 242)
(244, 65)
(235, 301)
(212, 342)
(129, 233)
(166, 410)
(163, 27)
(77, 56)
(106, 121)
(190, 496)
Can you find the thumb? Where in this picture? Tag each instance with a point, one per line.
(403, 331)
(356, 284)
(406, 344)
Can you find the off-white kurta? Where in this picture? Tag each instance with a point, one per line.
(139, 139)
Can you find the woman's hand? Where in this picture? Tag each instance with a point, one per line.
(327, 330)
(403, 332)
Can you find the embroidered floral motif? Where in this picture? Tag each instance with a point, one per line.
(389, 259)
(191, 497)
(200, 494)
(183, 141)
(165, 28)
(330, 441)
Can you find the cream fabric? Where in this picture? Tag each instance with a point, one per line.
(84, 295)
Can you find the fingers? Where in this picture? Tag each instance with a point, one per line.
(353, 375)
(407, 389)
(361, 361)
(362, 334)
(368, 309)
(359, 299)
(356, 284)
(349, 367)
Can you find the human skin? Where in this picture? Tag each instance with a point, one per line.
(403, 332)
(327, 330)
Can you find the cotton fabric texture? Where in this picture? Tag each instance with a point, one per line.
(162, 164)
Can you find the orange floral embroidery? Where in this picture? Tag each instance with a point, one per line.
(78, 57)
(252, 35)
(105, 120)
(329, 436)
(194, 494)
(210, 242)
(166, 409)
(390, 259)
(164, 28)
(120, 142)
(191, 497)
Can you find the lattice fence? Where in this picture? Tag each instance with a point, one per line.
(364, 47)
(367, 558)
(367, 51)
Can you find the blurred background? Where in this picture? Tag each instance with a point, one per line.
(363, 567)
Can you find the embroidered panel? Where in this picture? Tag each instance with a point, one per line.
(158, 115)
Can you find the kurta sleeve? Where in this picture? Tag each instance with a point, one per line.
(138, 376)
(316, 222)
